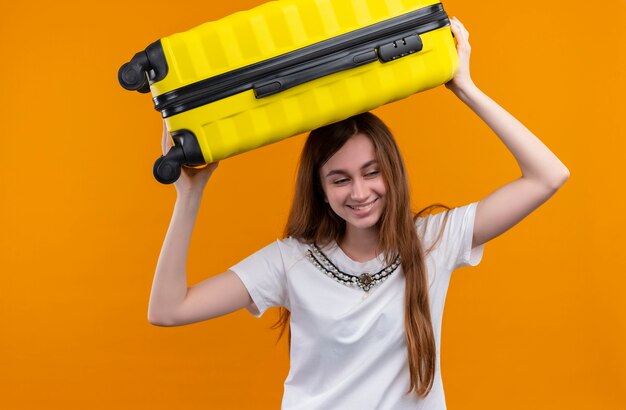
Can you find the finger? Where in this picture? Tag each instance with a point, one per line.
(463, 30)
(456, 31)
(453, 27)
(210, 167)
(166, 142)
(459, 26)
(213, 165)
(456, 26)
(460, 33)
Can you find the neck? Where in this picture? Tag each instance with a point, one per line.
(361, 245)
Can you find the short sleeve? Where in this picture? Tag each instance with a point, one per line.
(263, 275)
(455, 245)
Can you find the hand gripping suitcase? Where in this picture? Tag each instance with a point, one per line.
(286, 67)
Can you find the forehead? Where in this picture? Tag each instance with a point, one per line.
(357, 151)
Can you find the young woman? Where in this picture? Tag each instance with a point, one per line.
(360, 280)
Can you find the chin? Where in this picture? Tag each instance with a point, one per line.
(366, 223)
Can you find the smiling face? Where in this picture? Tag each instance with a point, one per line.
(353, 184)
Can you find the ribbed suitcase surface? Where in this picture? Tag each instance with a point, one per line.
(224, 58)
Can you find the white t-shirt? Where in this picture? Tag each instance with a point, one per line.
(348, 352)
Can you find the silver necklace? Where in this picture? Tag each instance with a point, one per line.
(364, 281)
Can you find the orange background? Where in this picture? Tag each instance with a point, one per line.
(539, 324)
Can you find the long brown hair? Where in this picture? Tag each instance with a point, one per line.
(312, 220)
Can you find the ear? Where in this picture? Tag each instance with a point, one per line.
(325, 199)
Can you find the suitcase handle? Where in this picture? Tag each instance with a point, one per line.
(333, 64)
(322, 68)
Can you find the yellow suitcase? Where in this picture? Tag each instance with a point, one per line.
(286, 67)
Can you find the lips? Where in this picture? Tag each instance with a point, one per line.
(363, 207)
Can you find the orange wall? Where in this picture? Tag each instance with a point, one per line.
(539, 324)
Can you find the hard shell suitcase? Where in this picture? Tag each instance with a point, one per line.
(286, 67)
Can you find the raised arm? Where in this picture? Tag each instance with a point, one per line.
(172, 303)
(542, 172)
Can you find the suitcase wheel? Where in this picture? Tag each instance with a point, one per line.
(146, 66)
(166, 169)
(132, 75)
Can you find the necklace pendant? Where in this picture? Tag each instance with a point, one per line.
(365, 279)
(365, 294)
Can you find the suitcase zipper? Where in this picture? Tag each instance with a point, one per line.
(385, 41)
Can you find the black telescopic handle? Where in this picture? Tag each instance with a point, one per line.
(292, 77)
(323, 68)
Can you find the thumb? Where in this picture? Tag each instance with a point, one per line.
(166, 140)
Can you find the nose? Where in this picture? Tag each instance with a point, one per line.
(359, 191)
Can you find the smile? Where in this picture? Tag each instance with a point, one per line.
(363, 207)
